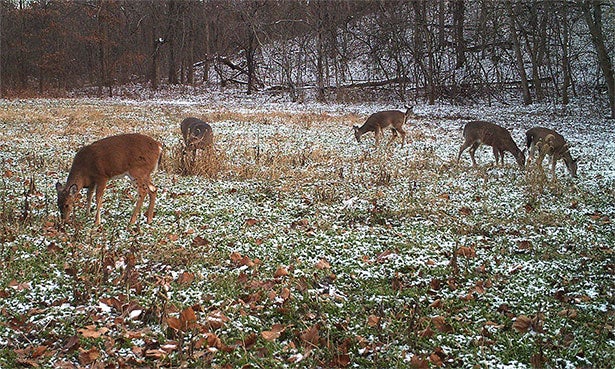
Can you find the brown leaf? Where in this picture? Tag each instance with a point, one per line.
(200, 241)
(568, 313)
(436, 360)
(285, 293)
(91, 331)
(188, 319)
(373, 320)
(38, 351)
(251, 221)
(522, 323)
(467, 252)
(464, 210)
(155, 354)
(323, 264)
(440, 323)
(87, 357)
(174, 323)
(274, 333)
(418, 362)
(186, 278)
(310, 336)
(280, 272)
(524, 245)
(216, 319)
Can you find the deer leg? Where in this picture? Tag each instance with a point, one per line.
(531, 153)
(142, 189)
(553, 163)
(541, 156)
(100, 190)
(496, 153)
(377, 133)
(472, 151)
(152, 190)
(465, 145)
(393, 135)
(88, 201)
(402, 133)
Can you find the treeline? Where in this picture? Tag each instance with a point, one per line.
(451, 49)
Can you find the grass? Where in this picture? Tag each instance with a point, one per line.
(291, 245)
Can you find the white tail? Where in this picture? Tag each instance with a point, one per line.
(377, 122)
(479, 132)
(133, 155)
(546, 141)
(197, 134)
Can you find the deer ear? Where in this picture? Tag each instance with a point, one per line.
(72, 189)
(59, 186)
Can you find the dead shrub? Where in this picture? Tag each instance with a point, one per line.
(208, 163)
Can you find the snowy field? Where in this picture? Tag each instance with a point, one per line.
(305, 248)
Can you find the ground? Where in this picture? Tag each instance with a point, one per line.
(299, 247)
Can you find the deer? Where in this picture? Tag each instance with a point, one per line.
(133, 155)
(548, 142)
(381, 120)
(197, 134)
(479, 132)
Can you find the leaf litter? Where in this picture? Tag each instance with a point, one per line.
(308, 248)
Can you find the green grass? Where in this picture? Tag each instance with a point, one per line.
(389, 256)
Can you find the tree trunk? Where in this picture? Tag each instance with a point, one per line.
(593, 17)
(458, 9)
(525, 87)
(565, 59)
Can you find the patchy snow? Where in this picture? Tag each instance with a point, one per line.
(387, 221)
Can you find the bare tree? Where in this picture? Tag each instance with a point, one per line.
(592, 13)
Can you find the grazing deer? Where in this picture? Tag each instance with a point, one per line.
(477, 132)
(377, 122)
(133, 155)
(548, 142)
(197, 134)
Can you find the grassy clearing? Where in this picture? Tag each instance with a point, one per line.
(291, 245)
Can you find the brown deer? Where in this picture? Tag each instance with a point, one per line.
(477, 132)
(133, 155)
(197, 134)
(548, 142)
(379, 121)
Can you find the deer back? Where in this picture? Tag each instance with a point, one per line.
(135, 154)
(557, 141)
(558, 147)
(493, 135)
(382, 120)
(196, 133)
(114, 156)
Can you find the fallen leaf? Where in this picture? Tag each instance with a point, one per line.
(522, 323)
(87, 357)
(323, 264)
(251, 221)
(91, 331)
(373, 320)
(568, 313)
(274, 333)
(464, 210)
(467, 252)
(186, 278)
(188, 319)
(440, 323)
(310, 336)
(280, 272)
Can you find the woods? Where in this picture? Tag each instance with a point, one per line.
(446, 49)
